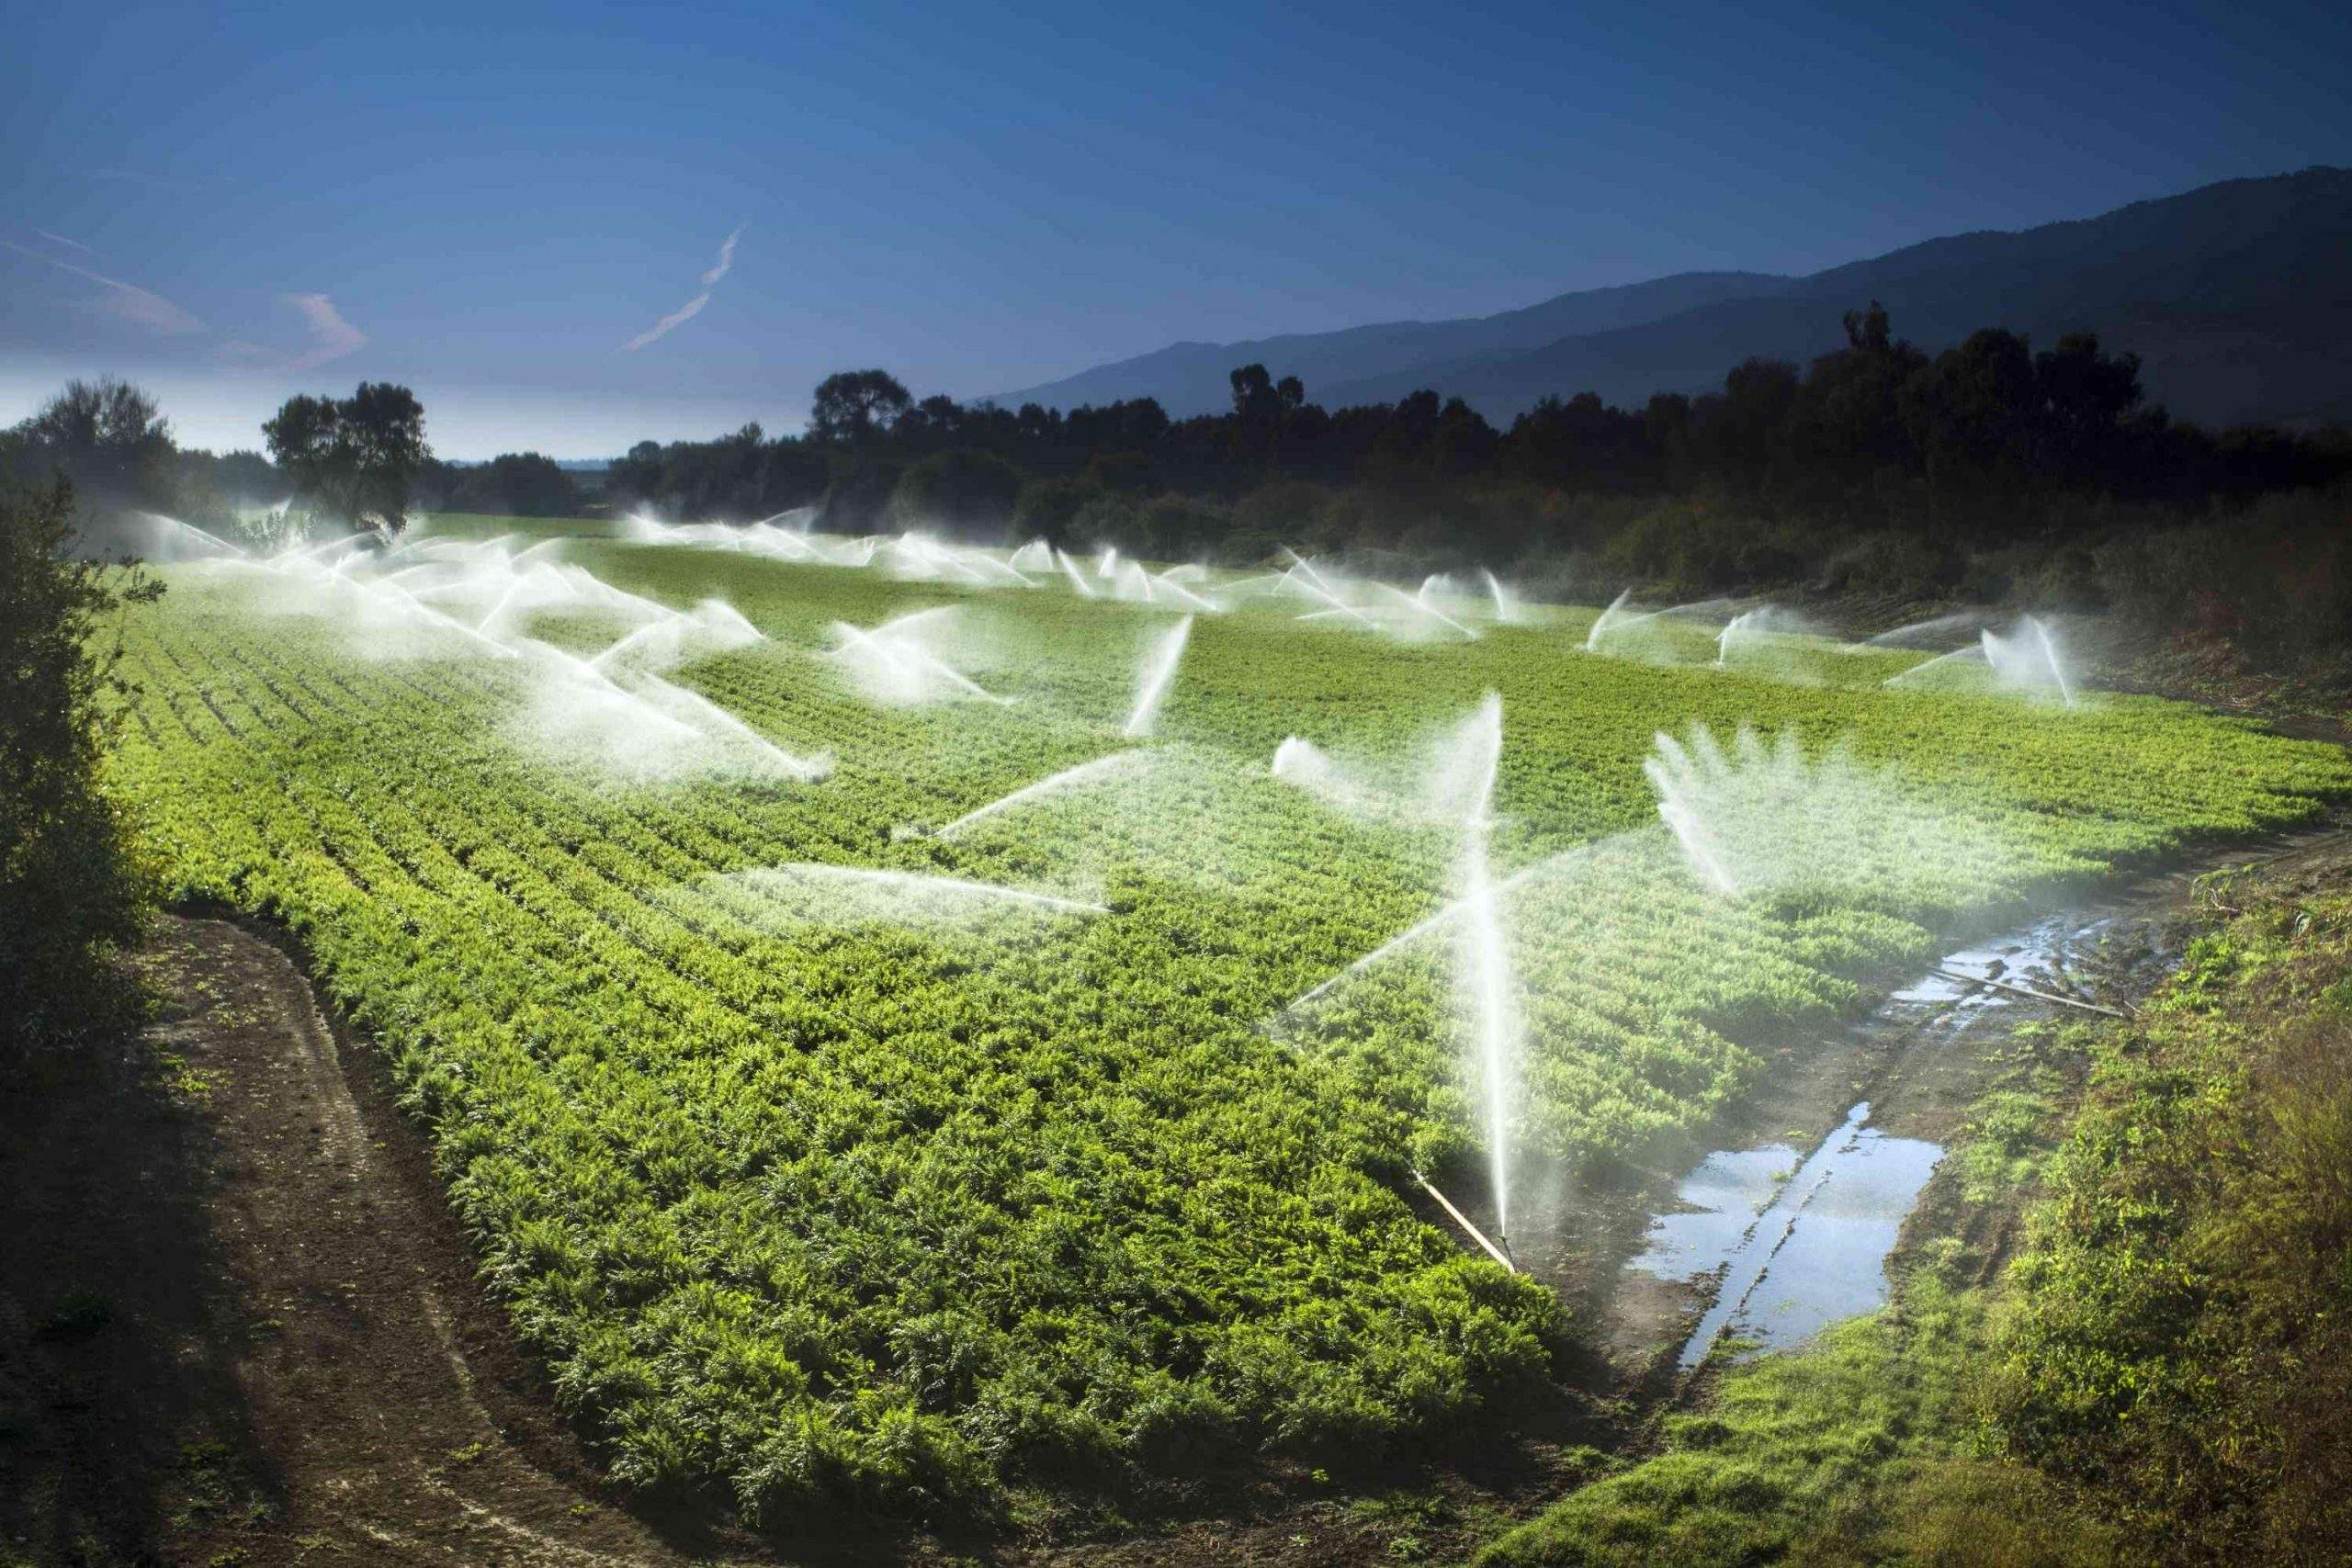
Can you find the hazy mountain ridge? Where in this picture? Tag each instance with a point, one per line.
(2238, 295)
(1190, 378)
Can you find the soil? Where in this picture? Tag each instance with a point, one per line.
(239, 1325)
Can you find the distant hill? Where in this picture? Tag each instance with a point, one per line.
(1190, 378)
(2237, 296)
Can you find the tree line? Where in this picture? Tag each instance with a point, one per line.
(1990, 441)
(1990, 470)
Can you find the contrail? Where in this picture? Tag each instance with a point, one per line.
(725, 258)
(692, 308)
(129, 300)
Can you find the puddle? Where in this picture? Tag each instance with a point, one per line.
(1792, 1243)
(1776, 1242)
(1797, 1247)
(2038, 957)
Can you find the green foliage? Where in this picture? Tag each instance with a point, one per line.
(69, 889)
(1901, 565)
(1793, 1453)
(1700, 548)
(110, 442)
(2179, 1353)
(1867, 1445)
(1047, 509)
(853, 406)
(959, 492)
(2277, 582)
(517, 484)
(800, 1200)
(356, 457)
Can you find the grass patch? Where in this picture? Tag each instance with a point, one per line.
(2179, 1353)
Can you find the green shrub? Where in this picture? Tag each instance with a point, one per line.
(2182, 1353)
(1899, 565)
(71, 890)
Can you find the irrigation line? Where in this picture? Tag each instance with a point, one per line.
(1967, 978)
(1497, 1253)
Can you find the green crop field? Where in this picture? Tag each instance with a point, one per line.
(805, 1182)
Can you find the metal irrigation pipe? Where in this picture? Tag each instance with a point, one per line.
(1497, 1253)
(1966, 978)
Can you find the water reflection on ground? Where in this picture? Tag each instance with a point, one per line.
(1798, 1245)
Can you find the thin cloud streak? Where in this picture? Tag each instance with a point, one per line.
(725, 258)
(685, 313)
(167, 182)
(332, 337)
(61, 239)
(692, 308)
(139, 306)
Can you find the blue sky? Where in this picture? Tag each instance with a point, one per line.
(488, 202)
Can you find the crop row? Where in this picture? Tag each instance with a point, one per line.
(806, 1183)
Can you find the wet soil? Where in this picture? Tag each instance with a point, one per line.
(1920, 1060)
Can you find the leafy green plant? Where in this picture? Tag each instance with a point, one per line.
(800, 1199)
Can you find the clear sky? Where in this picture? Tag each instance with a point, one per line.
(501, 204)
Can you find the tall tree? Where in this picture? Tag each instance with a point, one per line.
(356, 457)
(110, 440)
(852, 405)
(2086, 397)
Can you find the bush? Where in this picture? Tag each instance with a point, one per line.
(1178, 528)
(1047, 509)
(1291, 510)
(958, 491)
(859, 494)
(1127, 473)
(518, 484)
(2182, 1353)
(2065, 579)
(69, 889)
(1699, 546)
(1106, 517)
(1898, 564)
(2278, 580)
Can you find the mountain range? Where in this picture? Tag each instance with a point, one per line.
(2237, 297)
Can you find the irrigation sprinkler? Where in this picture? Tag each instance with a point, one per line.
(1499, 1254)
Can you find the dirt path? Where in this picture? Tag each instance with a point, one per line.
(277, 1351)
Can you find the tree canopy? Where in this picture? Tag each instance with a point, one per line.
(1989, 443)
(109, 439)
(354, 457)
(852, 405)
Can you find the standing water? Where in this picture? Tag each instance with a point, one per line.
(1799, 1245)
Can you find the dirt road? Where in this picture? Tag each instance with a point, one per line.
(238, 1323)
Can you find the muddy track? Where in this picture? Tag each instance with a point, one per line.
(297, 1363)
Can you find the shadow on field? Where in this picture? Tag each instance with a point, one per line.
(123, 1425)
